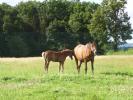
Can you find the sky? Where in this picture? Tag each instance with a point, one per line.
(129, 8)
(14, 2)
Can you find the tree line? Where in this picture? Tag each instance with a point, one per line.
(31, 27)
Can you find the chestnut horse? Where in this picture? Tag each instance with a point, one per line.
(54, 56)
(85, 53)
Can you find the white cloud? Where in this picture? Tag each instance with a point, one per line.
(129, 9)
(97, 1)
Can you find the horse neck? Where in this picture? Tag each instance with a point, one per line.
(88, 46)
(67, 53)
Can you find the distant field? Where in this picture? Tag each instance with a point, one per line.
(24, 79)
(121, 52)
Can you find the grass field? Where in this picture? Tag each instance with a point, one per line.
(24, 79)
(121, 52)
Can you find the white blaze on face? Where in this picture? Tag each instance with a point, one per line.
(93, 49)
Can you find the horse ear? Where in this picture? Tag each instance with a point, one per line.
(94, 43)
(89, 42)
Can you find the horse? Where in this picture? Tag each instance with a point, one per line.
(54, 56)
(85, 53)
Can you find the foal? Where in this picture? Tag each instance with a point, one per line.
(54, 56)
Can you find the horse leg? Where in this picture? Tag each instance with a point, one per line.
(59, 66)
(79, 67)
(76, 60)
(47, 66)
(85, 66)
(92, 66)
(62, 67)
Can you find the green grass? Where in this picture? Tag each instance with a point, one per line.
(24, 79)
(120, 52)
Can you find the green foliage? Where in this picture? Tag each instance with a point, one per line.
(110, 23)
(80, 19)
(59, 24)
(29, 13)
(17, 47)
(55, 31)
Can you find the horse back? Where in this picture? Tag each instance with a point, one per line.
(81, 52)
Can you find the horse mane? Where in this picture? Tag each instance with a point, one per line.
(88, 45)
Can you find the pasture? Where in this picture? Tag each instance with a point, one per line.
(24, 79)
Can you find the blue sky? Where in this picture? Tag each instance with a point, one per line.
(129, 8)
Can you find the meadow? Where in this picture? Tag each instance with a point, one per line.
(25, 79)
(121, 52)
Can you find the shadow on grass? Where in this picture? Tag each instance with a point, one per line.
(118, 74)
(63, 91)
(12, 79)
(7, 78)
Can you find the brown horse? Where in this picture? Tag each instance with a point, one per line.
(85, 53)
(54, 56)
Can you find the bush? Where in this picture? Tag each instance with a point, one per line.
(17, 47)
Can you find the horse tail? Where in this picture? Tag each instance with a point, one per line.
(43, 55)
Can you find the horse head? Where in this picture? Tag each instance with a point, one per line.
(92, 46)
(69, 53)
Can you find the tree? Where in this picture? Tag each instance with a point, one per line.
(57, 9)
(29, 13)
(59, 24)
(80, 19)
(58, 35)
(9, 25)
(110, 23)
(17, 47)
(1, 18)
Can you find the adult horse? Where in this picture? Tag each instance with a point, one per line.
(54, 56)
(85, 53)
